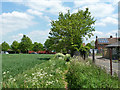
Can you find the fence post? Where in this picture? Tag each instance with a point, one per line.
(118, 52)
(111, 61)
(93, 56)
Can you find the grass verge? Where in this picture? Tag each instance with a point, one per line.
(83, 74)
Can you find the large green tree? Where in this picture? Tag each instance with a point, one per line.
(48, 44)
(69, 30)
(0, 48)
(37, 46)
(25, 44)
(15, 46)
(5, 46)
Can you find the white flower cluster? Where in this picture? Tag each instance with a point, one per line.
(62, 56)
(5, 72)
(59, 56)
(12, 79)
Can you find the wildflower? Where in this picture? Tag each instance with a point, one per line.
(14, 80)
(4, 73)
(33, 84)
(25, 75)
(56, 80)
(33, 74)
(87, 63)
(51, 75)
(34, 78)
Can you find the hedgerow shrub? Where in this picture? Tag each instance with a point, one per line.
(86, 75)
(62, 56)
(67, 57)
(59, 56)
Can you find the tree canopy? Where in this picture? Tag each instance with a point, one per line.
(91, 45)
(25, 44)
(5, 46)
(68, 31)
(15, 46)
(37, 46)
(48, 44)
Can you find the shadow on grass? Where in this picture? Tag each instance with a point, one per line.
(43, 58)
(100, 58)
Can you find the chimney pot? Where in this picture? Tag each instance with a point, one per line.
(111, 36)
(96, 37)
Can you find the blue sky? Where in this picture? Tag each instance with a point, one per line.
(33, 17)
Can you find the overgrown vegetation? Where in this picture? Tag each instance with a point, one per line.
(14, 64)
(83, 74)
(54, 73)
(49, 74)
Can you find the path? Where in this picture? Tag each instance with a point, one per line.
(106, 63)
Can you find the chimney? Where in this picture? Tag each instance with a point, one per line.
(111, 36)
(96, 37)
(116, 37)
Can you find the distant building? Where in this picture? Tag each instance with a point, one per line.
(103, 46)
(101, 43)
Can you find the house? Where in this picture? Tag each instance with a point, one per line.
(103, 46)
(101, 43)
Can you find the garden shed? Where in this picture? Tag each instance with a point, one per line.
(115, 50)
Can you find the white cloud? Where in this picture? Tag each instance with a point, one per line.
(39, 35)
(50, 6)
(15, 21)
(100, 9)
(88, 2)
(17, 37)
(12, 0)
(34, 12)
(106, 35)
(114, 2)
(39, 14)
(115, 16)
(84, 2)
(98, 33)
(107, 21)
(35, 36)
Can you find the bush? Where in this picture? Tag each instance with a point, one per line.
(85, 75)
(67, 57)
(59, 56)
(62, 56)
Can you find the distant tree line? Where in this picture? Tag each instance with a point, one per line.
(23, 47)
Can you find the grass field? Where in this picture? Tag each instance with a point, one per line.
(33, 71)
(14, 64)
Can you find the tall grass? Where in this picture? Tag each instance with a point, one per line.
(83, 74)
(49, 74)
(14, 64)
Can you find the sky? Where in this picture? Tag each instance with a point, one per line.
(33, 17)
